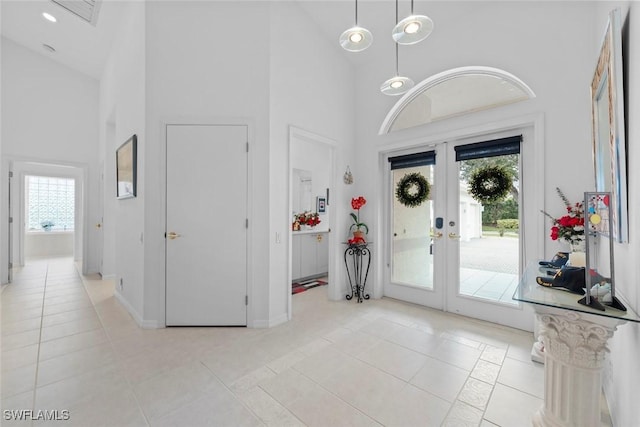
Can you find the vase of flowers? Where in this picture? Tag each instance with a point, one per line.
(358, 226)
(306, 220)
(569, 227)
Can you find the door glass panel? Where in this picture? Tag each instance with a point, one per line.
(412, 245)
(489, 236)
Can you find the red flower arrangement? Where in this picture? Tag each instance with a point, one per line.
(357, 203)
(569, 227)
(308, 218)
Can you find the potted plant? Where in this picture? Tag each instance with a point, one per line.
(358, 235)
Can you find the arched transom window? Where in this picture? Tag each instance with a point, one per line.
(455, 92)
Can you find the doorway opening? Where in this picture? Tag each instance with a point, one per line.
(47, 208)
(311, 160)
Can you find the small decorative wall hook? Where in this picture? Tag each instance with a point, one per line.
(348, 177)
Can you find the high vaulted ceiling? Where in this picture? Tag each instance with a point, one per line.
(85, 47)
(79, 45)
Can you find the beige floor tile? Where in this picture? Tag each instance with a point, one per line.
(524, 376)
(493, 354)
(511, 407)
(486, 371)
(18, 380)
(21, 339)
(72, 343)
(10, 328)
(456, 354)
(75, 363)
(412, 407)
(163, 394)
(463, 415)
(82, 389)
(475, 393)
(395, 360)
(70, 328)
(441, 379)
(16, 404)
(66, 306)
(19, 357)
(267, 409)
(219, 408)
(87, 313)
(415, 339)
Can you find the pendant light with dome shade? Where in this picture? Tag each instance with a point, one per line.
(396, 85)
(412, 29)
(356, 38)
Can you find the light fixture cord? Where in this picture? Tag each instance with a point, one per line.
(356, 13)
(397, 73)
(412, 7)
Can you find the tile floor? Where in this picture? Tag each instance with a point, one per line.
(67, 344)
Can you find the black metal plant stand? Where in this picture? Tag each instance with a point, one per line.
(354, 260)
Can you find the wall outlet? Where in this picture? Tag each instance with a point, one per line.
(121, 284)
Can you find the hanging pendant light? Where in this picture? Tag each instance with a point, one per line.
(412, 29)
(356, 39)
(396, 85)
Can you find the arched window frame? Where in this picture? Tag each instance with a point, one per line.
(444, 76)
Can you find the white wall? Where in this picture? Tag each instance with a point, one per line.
(622, 375)
(556, 63)
(48, 244)
(49, 115)
(122, 114)
(201, 69)
(312, 88)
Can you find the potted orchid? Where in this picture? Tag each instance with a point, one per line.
(358, 235)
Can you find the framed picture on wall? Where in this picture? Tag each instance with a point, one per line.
(126, 168)
(321, 205)
(609, 146)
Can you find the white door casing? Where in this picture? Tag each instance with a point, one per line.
(206, 244)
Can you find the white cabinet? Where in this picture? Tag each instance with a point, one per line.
(310, 255)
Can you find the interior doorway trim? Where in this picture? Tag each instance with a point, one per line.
(22, 167)
(299, 134)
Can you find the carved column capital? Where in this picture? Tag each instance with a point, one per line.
(571, 339)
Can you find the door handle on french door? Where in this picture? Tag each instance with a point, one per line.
(436, 235)
(173, 235)
(453, 236)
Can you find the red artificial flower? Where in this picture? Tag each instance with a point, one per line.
(357, 203)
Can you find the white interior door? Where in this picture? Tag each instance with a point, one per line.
(206, 245)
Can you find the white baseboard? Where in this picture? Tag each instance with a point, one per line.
(270, 323)
(108, 277)
(144, 324)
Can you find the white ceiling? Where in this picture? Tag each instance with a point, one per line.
(78, 44)
(85, 48)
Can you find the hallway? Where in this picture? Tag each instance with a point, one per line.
(68, 345)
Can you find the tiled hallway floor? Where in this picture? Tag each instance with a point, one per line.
(67, 344)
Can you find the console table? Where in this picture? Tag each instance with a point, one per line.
(357, 260)
(574, 339)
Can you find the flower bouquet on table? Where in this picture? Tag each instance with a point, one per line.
(569, 227)
(358, 235)
(310, 219)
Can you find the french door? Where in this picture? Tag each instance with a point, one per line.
(450, 251)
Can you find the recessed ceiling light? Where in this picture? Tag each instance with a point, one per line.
(48, 48)
(49, 17)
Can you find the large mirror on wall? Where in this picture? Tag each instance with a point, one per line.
(609, 146)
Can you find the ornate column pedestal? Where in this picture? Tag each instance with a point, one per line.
(575, 346)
